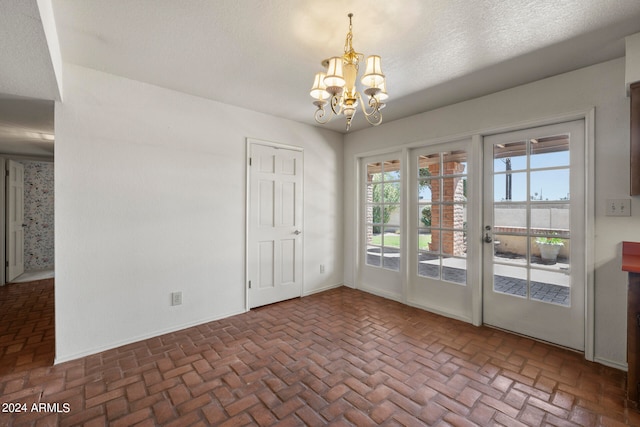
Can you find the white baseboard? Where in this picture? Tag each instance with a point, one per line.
(57, 360)
(322, 289)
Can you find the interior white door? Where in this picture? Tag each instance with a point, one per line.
(275, 224)
(534, 185)
(15, 220)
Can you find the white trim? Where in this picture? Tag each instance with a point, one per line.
(322, 289)
(440, 311)
(590, 233)
(249, 142)
(476, 264)
(381, 293)
(612, 364)
(588, 115)
(154, 334)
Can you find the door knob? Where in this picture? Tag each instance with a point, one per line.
(297, 232)
(487, 238)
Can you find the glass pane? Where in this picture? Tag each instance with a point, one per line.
(551, 251)
(376, 214)
(391, 258)
(550, 219)
(374, 192)
(550, 185)
(428, 165)
(391, 214)
(510, 280)
(374, 240)
(391, 170)
(454, 163)
(453, 189)
(373, 235)
(551, 286)
(454, 242)
(424, 240)
(428, 265)
(454, 270)
(390, 237)
(368, 212)
(424, 216)
(435, 215)
(434, 244)
(510, 218)
(391, 192)
(511, 156)
(424, 191)
(374, 172)
(510, 249)
(453, 216)
(550, 151)
(510, 187)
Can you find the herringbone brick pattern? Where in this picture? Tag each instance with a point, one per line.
(342, 357)
(26, 325)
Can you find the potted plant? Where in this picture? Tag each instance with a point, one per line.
(549, 247)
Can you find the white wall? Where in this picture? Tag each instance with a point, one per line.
(150, 199)
(601, 86)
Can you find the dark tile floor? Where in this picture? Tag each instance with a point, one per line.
(341, 357)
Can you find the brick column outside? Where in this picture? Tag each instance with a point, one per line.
(450, 216)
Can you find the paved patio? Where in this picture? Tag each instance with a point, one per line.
(555, 290)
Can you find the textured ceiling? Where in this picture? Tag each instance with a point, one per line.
(262, 54)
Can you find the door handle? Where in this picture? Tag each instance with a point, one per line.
(487, 238)
(297, 232)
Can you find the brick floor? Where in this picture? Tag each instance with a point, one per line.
(26, 325)
(342, 357)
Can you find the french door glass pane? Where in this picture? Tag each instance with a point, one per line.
(442, 214)
(382, 211)
(531, 219)
(510, 187)
(511, 156)
(550, 152)
(550, 185)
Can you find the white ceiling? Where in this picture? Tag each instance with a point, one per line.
(263, 54)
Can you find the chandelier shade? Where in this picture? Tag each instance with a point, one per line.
(335, 75)
(319, 89)
(373, 76)
(337, 86)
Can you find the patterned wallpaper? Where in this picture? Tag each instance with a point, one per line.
(38, 215)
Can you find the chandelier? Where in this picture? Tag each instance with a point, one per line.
(337, 86)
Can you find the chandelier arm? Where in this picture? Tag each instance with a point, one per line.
(321, 116)
(374, 117)
(336, 108)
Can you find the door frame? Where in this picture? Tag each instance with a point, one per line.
(248, 143)
(588, 115)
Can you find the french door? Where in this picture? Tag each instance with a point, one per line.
(534, 233)
(439, 239)
(381, 255)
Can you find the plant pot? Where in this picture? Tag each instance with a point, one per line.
(549, 252)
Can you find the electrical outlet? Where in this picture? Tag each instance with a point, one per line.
(176, 298)
(618, 207)
(321, 268)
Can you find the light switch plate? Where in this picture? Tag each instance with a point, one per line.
(618, 207)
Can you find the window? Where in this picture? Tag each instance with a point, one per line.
(382, 211)
(442, 216)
